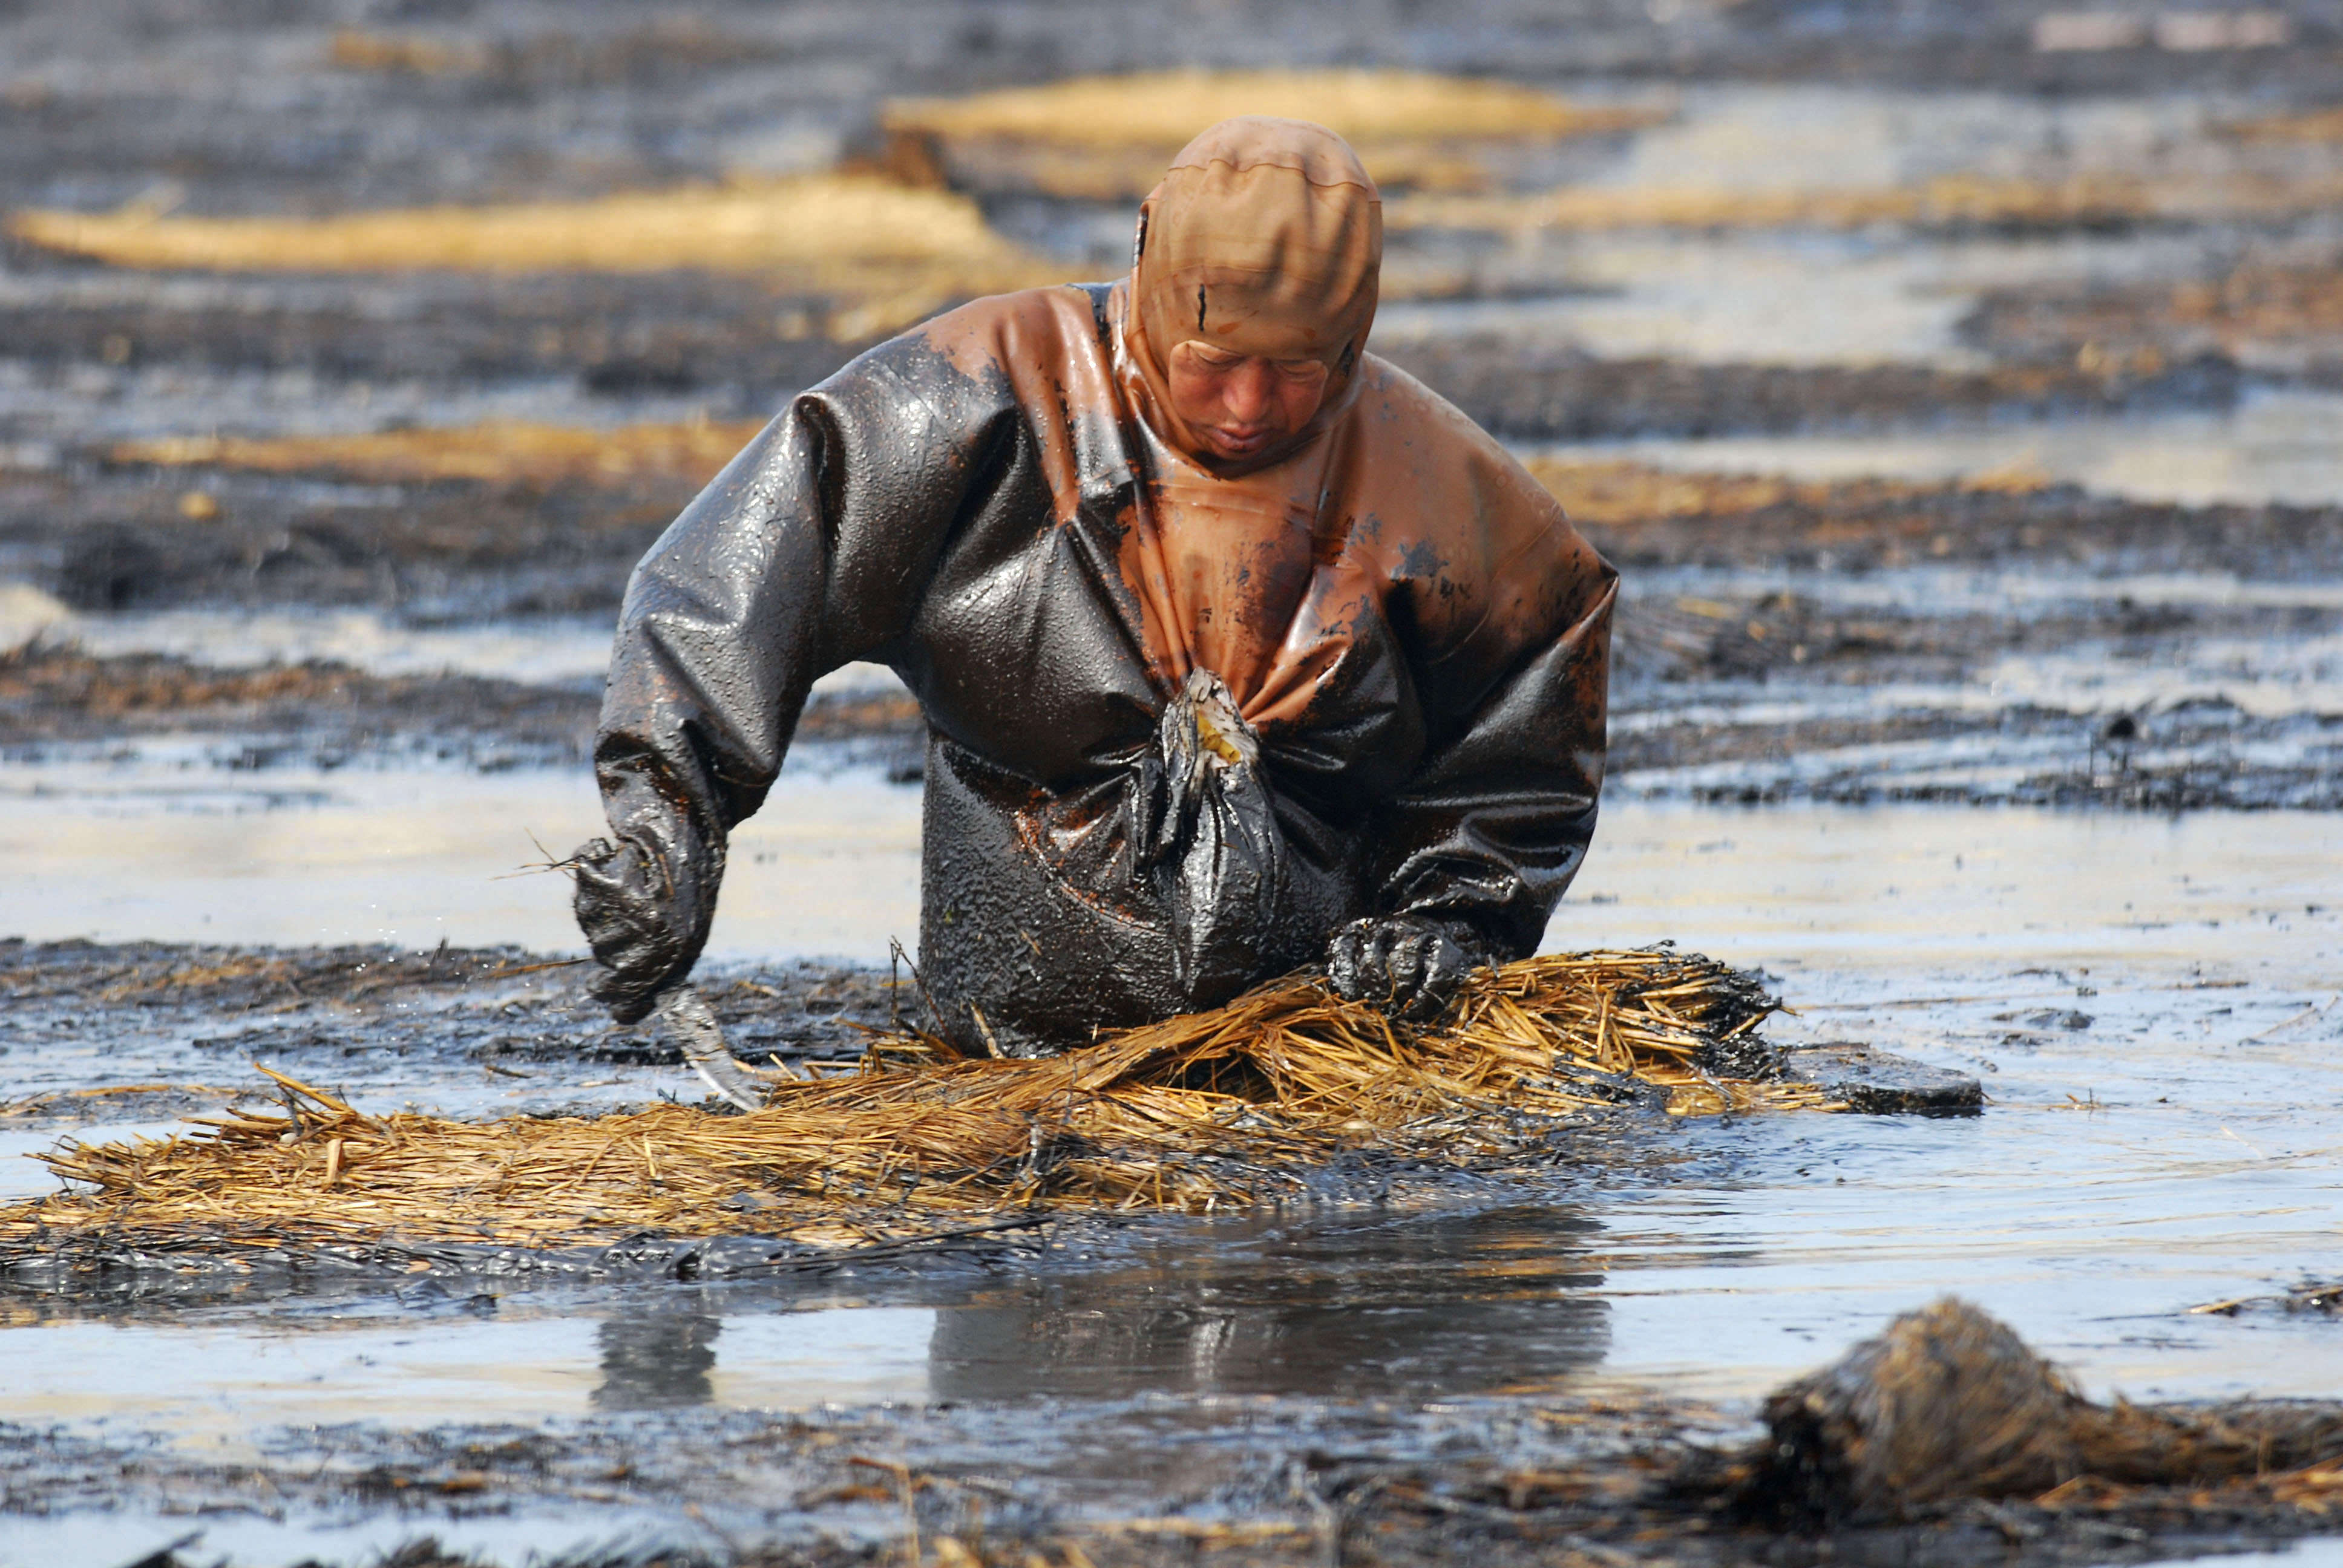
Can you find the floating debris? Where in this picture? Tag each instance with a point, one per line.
(1200, 1112)
(1950, 1403)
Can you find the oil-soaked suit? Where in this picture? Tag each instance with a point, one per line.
(1414, 638)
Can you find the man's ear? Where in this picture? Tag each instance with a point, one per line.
(1139, 240)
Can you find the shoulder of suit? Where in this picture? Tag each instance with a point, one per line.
(1064, 313)
(1396, 412)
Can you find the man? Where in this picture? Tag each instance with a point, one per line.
(1239, 650)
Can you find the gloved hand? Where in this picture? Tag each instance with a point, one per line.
(630, 919)
(1404, 964)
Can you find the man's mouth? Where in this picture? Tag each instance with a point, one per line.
(1241, 442)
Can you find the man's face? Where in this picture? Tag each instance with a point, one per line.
(1240, 405)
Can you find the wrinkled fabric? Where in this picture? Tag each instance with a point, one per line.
(1186, 719)
(626, 902)
(1207, 830)
(1416, 637)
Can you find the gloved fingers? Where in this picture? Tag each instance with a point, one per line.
(1350, 967)
(627, 924)
(1447, 958)
(593, 853)
(1408, 967)
(1445, 966)
(619, 925)
(1404, 964)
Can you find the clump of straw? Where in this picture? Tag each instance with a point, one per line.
(1198, 1112)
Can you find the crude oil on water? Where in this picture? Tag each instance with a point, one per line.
(2002, 729)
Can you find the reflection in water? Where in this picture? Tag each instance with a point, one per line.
(657, 1359)
(1420, 1306)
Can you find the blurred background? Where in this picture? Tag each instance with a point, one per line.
(1958, 382)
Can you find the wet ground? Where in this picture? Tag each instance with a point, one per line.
(2149, 1001)
(1955, 386)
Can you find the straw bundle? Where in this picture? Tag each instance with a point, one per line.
(1203, 1111)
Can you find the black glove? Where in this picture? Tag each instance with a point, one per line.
(628, 912)
(1404, 964)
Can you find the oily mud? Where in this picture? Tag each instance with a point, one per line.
(2179, 694)
(622, 339)
(303, 706)
(1413, 1374)
(382, 1010)
(1618, 1479)
(462, 550)
(2280, 316)
(55, 698)
(642, 101)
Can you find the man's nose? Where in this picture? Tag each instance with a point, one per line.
(1248, 394)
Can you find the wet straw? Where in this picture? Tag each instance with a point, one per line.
(1200, 1112)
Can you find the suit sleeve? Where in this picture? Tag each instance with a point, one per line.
(809, 550)
(1494, 823)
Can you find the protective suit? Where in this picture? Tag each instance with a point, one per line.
(1193, 724)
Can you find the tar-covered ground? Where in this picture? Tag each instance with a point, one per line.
(1961, 406)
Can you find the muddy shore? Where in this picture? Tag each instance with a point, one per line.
(1599, 1481)
(1726, 693)
(1243, 1467)
(1954, 385)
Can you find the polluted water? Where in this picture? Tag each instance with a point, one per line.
(2002, 734)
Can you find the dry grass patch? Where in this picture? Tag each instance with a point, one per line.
(1615, 493)
(1952, 201)
(1227, 1107)
(1108, 137)
(877, 254)
(886, 253)
(1165, 110)
(509, 452)
(2311, 125)
(812, 221)
(406, 53)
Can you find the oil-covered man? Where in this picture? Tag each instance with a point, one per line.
(1239, 650)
